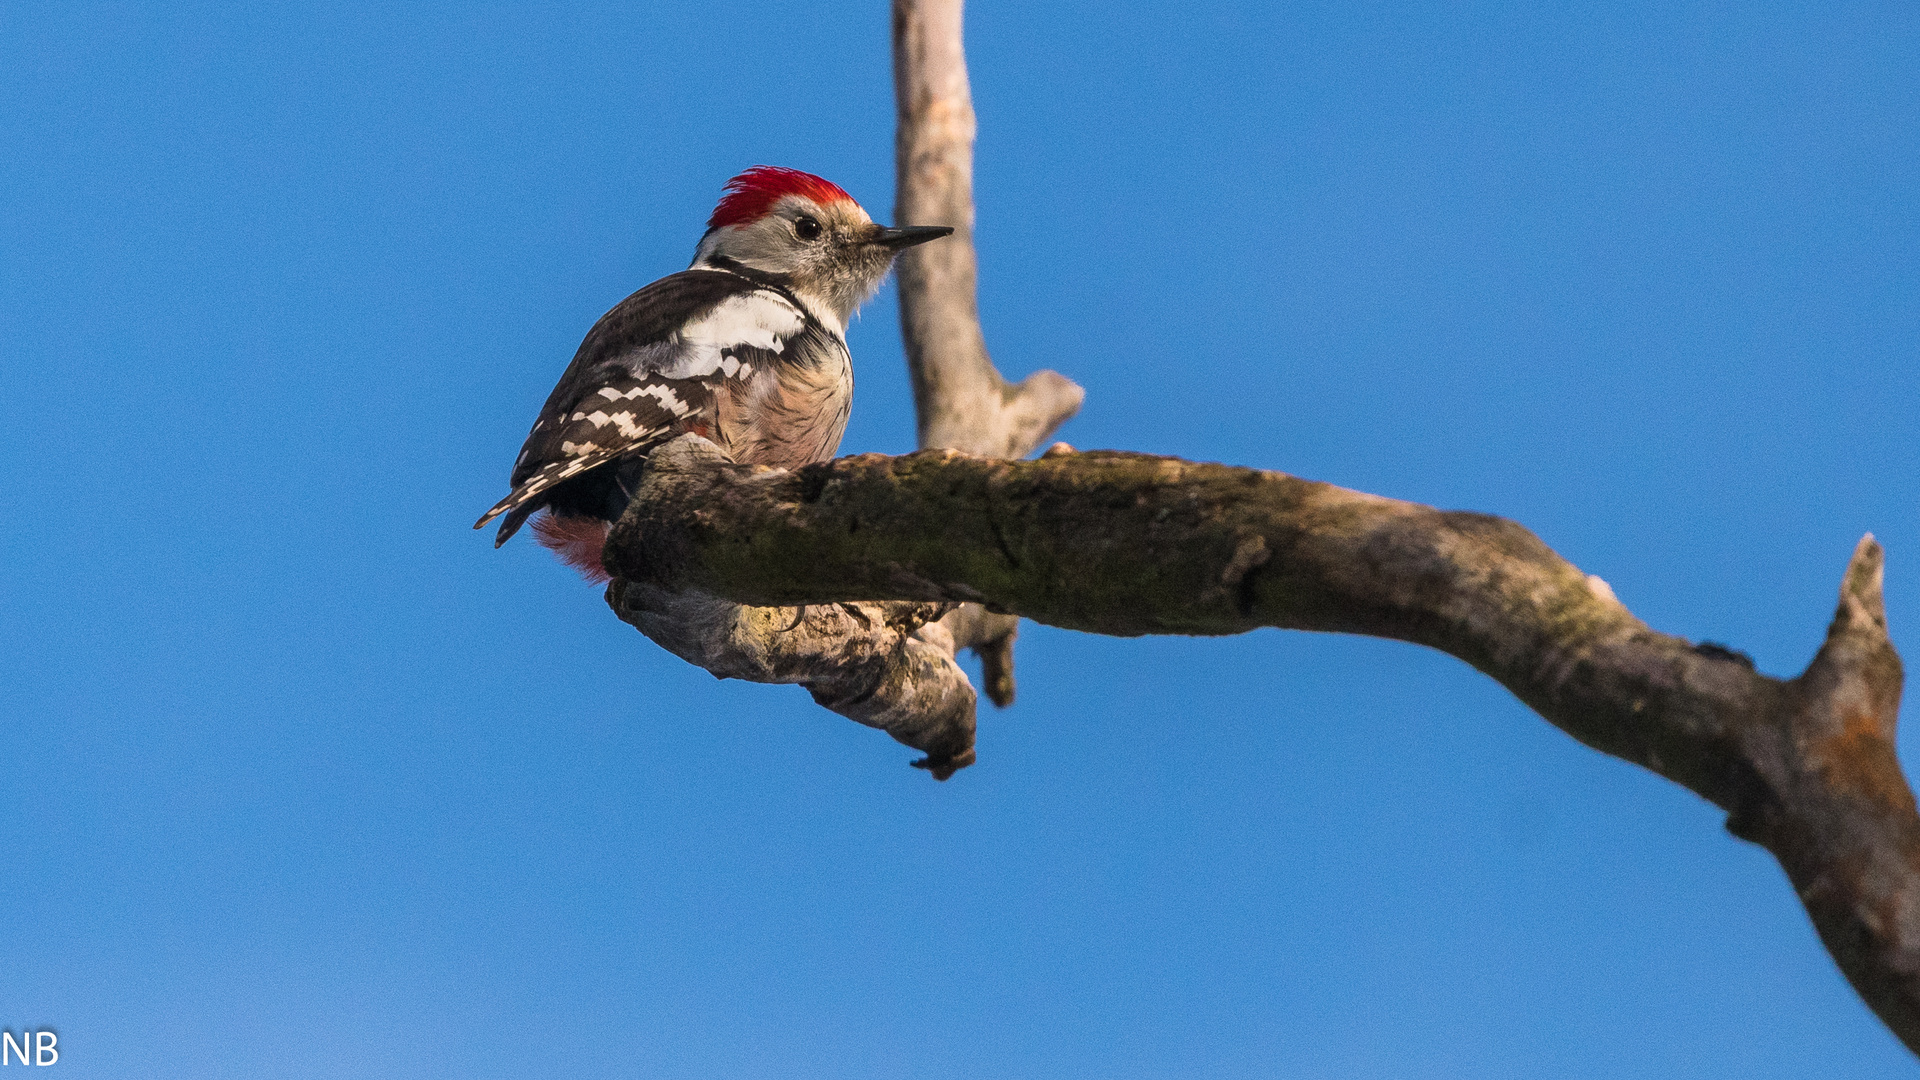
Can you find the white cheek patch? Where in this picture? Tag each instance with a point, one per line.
(760, 320)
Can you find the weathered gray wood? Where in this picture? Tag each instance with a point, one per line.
(889, 666)
(961, 401)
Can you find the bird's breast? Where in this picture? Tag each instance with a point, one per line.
(793, 413)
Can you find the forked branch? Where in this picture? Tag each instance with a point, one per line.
(859, 578)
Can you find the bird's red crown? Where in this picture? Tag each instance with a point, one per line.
(751, 194)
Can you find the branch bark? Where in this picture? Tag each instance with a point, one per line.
(888, 666)
(1117, 543)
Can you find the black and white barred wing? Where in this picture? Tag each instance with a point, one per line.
(622, 416)
(648, 370)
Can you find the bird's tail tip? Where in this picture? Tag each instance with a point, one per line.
(578, 541)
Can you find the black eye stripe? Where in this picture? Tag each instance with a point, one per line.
(806, 228)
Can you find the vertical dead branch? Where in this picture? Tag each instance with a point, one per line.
(961, 401)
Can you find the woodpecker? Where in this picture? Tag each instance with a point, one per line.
(746, 347)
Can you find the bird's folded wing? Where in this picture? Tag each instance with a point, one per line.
(626, 415)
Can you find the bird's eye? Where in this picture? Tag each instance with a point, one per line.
(807, 228)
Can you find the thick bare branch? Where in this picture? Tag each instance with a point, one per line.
(1119, 543)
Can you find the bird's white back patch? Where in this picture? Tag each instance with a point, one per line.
(759, 319)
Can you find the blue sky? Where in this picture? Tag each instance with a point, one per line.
(302, 778)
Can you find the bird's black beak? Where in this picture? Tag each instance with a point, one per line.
(899, 239)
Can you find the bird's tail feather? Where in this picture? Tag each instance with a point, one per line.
(578, 541)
